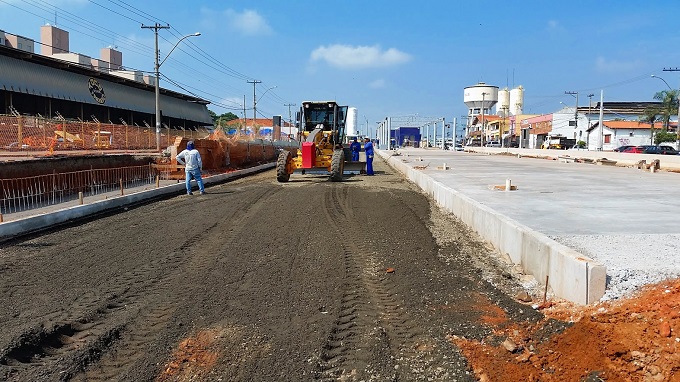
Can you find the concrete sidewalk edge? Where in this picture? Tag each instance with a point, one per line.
(571, 275)
(42, 221)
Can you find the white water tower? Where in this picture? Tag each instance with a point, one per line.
(480, 96)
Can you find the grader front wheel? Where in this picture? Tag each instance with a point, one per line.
(337, 165)
(282, 165)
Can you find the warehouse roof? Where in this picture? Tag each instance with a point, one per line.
(30, 73)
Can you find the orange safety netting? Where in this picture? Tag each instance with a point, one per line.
(27, 133)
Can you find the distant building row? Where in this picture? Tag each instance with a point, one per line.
(508, 126)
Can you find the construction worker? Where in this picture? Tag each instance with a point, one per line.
(368, 149)
(191, 159)
(355, 148)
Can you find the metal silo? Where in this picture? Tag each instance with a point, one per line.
(351, 125)
(517, 100)
(503, 106)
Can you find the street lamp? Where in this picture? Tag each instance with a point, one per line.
(664, 81)
(481, 138)
(666, 127)
(158, 77)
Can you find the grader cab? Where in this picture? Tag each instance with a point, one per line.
(321, 131)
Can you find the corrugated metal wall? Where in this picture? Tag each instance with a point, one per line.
(31, 78)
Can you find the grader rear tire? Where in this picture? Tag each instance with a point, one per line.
(337, 165)
(282, 174)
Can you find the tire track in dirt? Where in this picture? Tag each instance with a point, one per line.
(160, 305)
(85, 334)
(372, 320)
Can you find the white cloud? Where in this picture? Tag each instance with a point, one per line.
(248, 22)
(604, 65)
(377, 84)
(347, 56)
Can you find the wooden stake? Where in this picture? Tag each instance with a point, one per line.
(80, 197)
(121, 186)
(545, 294)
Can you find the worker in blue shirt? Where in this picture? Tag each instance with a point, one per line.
(191, 159)
(355, 148)
(368, 149)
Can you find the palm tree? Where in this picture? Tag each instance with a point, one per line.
(669, 105)
(651, 115)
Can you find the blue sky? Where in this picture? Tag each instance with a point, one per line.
(386, 58)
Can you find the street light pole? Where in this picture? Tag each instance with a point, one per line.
(481, 138)
(157, 65)
(677, 126)
(575, 109)
(666, 122)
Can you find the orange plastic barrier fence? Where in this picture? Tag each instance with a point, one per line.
(25, 133)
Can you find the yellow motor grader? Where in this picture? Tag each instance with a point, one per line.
(321, 132)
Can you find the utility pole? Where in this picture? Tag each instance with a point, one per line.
(601, 121)
(590, 103)
(290, 119)
(245, 123)
(677, 127)
(155, 28)
(254, 82)
(575, 109)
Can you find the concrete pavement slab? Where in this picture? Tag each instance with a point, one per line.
(593, 217)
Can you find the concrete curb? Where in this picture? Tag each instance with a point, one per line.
(571, 275)
(42, 221)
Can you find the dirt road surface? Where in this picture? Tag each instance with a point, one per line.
(362, 280)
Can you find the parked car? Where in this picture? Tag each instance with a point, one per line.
(660, 150)
(669, 150)
(458, 147)
(622, 148)
(635, 149)
(492, 144)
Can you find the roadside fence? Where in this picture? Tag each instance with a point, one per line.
(21, 194)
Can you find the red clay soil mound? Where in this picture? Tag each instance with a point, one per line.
(636, 339)
(193, 359)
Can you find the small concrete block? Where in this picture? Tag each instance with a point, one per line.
(443, 167)
(606, 162)
(501, 187)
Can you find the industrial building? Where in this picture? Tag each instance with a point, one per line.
(61, 84)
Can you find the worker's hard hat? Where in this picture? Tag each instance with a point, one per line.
(190, 145)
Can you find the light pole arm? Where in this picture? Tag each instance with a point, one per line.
(664, 81)
(265, 92)
(173, 48)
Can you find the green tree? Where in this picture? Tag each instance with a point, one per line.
(651, 115)
(669, 105)
(222, 119)
(664, 136)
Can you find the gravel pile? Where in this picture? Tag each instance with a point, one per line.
(632, 261)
